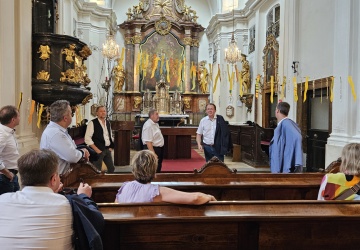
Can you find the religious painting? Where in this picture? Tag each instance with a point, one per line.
(271, 60)
(162, 56)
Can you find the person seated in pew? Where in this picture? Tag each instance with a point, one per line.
(37, 217)
(144, 164)
(344, 185)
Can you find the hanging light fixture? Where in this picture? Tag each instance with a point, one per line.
(232, 53)
(110, 49)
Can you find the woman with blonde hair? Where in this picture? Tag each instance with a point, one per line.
(144, 165)
(344, 185)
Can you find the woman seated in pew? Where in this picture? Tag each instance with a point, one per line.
(144, 165)
(344, 185)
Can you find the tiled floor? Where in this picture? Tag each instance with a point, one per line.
(240, 166)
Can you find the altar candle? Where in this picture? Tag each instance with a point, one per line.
(190, 121)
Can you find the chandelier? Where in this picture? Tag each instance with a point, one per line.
(232, 53)
(110, 49)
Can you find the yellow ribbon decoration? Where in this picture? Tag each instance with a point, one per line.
(122, 55)
(350, 80)
(332, 89)
(283, 88)
(271, 89)
(179, 74)
(217, 78)
(295, 89)
(167, 71)
(155, 64)
(20, 100)
(39, 115)
(306, 87)
(232, 81)
(32, 109)
(193, 74)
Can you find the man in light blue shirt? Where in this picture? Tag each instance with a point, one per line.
(56, 137)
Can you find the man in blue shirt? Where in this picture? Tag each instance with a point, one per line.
(285, 150)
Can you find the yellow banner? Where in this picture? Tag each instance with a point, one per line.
(217, 78)
(332, 89)
(179, 74)
(306, 87)
(350, 80)
(167, 71)
(296, 98)
(283, 88)
(32, 109)
(20, 100)
(155, 65)
(39, 115)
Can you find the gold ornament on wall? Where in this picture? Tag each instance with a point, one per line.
(188, 41)
(70, 53)
(45, 52)
(43, 75)
(163, 26)
(137, 102)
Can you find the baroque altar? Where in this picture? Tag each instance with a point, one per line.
(162, 100)
(161, 60)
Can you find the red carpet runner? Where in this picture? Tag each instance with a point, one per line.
(183, 165)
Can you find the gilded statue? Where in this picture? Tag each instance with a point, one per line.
(119, 77)
(187, 101)
(129, 14)
(137, 102)
(203, 76)
(45, 52)
(245, 74)
(43, 75)
(138, 10)
(70, 53)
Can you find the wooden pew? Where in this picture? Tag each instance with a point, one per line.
(233, 225)
(214, 178)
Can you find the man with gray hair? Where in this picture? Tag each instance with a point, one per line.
(57, 138)
(152, 137)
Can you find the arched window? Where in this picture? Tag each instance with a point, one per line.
(273, 21)
(229, 5)
(252, 39)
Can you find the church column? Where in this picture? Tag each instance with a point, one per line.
(15, 65)
(137, 41)
(187, 42)
(345, 42)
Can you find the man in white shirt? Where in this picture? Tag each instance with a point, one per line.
(9, 153)
(37, 217)
(98, 136)
(57, 138)
(152, 137)
(215, 134)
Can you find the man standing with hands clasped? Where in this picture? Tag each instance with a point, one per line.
(216, 134)
(9, 153)
(152, 137)
(98, 136)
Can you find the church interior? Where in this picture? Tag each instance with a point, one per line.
(176, 56)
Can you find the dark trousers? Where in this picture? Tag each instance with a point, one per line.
(160, 154)
(210, 152)
(105, 156)
(7, 186)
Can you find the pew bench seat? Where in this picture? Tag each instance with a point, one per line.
(232, 225)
